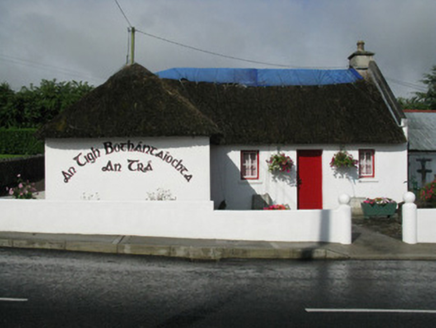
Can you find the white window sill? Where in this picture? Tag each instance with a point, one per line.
(364, 180)
(250, 181)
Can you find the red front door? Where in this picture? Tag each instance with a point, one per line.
(309, 179)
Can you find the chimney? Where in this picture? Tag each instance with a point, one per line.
(359, 60)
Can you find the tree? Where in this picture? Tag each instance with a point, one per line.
(35, 105)
(429, 97)
(7, 95)
(412, 103)
(423, 100)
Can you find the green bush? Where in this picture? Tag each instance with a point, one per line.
(427, 195)
(20, 142)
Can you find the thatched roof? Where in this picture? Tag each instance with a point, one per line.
(136, 103)
(132, 103)
(332, 114)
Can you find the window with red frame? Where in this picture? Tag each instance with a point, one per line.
(366, 163)
(250, 164)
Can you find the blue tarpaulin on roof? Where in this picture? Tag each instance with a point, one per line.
(262, 77)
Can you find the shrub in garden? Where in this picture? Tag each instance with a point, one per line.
(427, 195)
(23, 190)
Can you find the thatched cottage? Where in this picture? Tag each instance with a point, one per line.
(206, 134)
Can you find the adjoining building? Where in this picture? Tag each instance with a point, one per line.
(422, 147)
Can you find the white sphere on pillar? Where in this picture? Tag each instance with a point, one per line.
(344, 199)
(409, 197)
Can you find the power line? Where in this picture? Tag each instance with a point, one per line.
(121, 9)
(222, 55)
(207, 51)
(409, 85)
(210, 52)
(41, 66)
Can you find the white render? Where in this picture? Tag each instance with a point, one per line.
(74, 169)
(390, 178)
(419, 225)
(184, 219)
(426, 225)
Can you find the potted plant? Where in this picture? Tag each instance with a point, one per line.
(343, 159)
(280, 163)
(379, 206)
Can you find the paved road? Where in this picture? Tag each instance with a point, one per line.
(63, 289)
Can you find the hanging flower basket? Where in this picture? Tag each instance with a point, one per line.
(280, 163)
(380, 206)
(343, 159)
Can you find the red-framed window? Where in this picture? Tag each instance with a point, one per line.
(249, 164)
(366, 163)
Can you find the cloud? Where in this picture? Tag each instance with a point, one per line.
(87, 40)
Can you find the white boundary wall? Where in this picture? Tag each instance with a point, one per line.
(190, 219)
(419, 225)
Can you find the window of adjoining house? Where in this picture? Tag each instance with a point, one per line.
(366, 163)
(249, 164)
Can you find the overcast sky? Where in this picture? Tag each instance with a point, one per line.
(87, 40)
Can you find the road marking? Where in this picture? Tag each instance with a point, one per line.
(371, 310)
(7, 299)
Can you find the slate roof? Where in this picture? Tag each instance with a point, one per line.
(422, 130)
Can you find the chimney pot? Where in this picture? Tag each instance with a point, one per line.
(359, 60)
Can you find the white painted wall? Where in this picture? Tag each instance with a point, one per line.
(419, 225)
(426, 225)
(227, 184)
(390, 175)
(185, 219)
(179, 165)
(390, 178)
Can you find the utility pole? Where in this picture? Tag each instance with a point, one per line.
(132, 46)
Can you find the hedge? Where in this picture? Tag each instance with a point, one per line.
(15, 141)
(30, 168)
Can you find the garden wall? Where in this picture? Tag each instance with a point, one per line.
(419, 225)
(186, 219)
(426, 225)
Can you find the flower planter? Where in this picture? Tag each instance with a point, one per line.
(378, 210)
